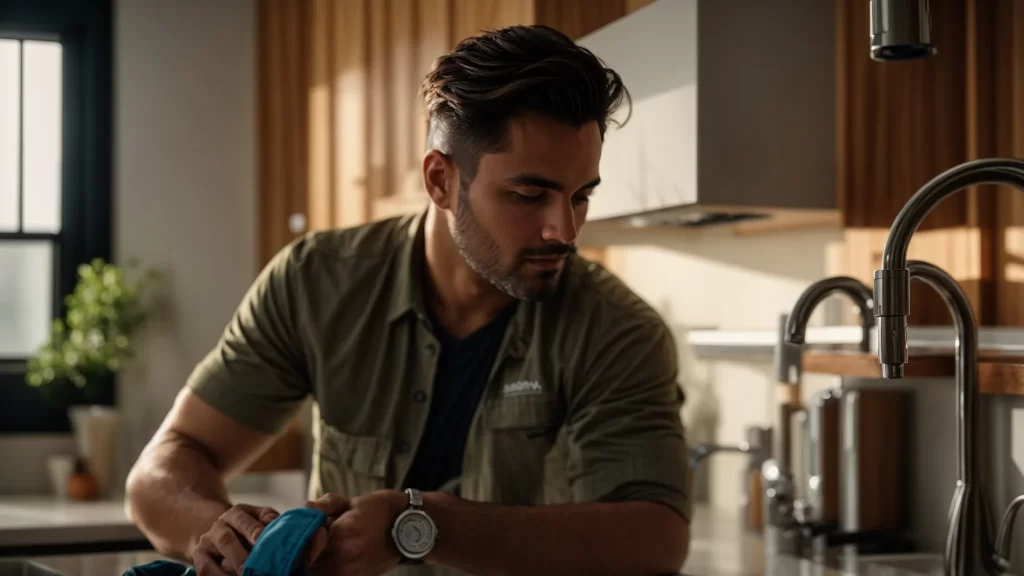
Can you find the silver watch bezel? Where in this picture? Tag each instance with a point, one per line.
(413, 510)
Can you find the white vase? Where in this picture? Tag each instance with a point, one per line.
(95, 429)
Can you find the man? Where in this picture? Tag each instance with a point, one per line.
(467, 353)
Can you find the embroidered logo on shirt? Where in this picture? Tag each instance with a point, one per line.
(522, 388)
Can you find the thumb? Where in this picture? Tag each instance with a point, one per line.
(332, 504)
(316, 546)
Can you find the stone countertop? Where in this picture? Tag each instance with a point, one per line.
(720, 547)
(44, 523)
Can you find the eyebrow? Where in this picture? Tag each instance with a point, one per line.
(527, 179)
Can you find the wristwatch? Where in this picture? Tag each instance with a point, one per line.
(413, 531)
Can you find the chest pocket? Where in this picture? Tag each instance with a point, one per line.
(523, 430)
(349, 465)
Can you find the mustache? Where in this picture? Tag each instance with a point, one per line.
(550, 250)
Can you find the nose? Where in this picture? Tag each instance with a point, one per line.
(560, 223)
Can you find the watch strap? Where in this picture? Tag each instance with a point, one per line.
(415, 498)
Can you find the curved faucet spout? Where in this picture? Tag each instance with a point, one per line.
(796, 326)
(892, 281)
(1008, 171)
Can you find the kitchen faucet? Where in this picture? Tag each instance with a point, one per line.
(969, 549)
(796, 328)
(785, 514)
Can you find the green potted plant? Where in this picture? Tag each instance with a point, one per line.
(86, 349)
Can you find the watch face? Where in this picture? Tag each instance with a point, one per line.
(415, 532)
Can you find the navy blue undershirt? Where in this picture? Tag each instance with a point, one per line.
(463, 368)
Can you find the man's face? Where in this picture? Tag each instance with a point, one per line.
(520, 217)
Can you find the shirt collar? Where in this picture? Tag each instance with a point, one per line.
(408, 273)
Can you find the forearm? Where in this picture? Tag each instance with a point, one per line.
(174, 494)
(592, 538)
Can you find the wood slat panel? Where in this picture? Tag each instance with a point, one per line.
(435, 39)
(981, 113)
(403, 54)
(902, 123)
(471, 17)
(1009, 98)
(320, 123)
(577, 18)
(378, 172)
(351, 128)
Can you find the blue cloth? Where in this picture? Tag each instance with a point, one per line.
(277, 551)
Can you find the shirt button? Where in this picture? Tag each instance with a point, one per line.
(403, 447)
(419, 396)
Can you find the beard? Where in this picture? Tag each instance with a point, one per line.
(483, 255)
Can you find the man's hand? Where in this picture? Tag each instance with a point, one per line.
(223, 549)
(357, 542)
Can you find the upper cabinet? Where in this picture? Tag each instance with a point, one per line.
(731, 124)
(341, 127)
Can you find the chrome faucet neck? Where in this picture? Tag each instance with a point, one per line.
(969, 545)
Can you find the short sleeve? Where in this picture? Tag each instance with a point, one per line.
(257, 372)
(625, 432)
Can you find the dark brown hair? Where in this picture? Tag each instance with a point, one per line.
(472, 92)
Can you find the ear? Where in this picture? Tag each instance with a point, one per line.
(439, 174)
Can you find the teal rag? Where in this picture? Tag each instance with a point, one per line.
(276, 553)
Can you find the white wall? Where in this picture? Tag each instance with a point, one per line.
(713, 279)
(185, 179)
(184, 196)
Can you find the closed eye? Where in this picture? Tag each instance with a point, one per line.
(583, 196)
(526, 198)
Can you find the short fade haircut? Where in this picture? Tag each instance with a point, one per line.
(472, 92)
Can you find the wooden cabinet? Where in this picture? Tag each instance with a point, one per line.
(901, 123)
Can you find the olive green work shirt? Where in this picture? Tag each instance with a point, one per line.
(582, 403)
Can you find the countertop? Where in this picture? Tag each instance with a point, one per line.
(719, 547)
(37, 525)
(712, 342)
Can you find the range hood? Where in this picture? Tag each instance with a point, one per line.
(733, 115)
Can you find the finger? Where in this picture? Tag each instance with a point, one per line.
(267, 515)
(243, 520)
(330, 503)
(226, 566)
(226, 541)
(262, 513)
(207, 565)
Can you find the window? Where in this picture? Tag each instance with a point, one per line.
(55, 124)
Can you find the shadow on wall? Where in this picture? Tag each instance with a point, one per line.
(757, 253)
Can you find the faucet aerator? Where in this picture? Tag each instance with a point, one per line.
(892, 371)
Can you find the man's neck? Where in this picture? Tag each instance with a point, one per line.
(460, 298)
